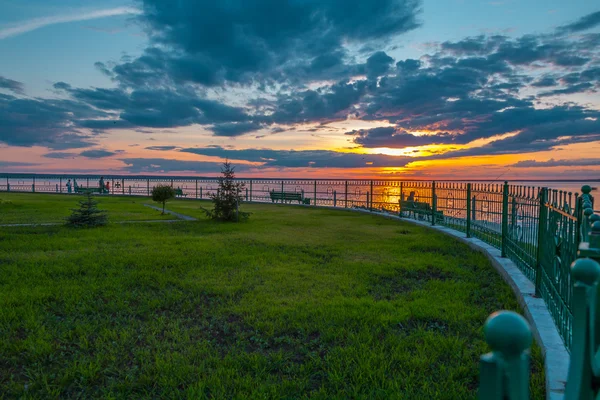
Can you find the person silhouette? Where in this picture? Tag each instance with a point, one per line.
(69, 186)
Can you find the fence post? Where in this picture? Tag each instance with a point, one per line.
(334, 198)
(368, 207)
(60, 184)
(346, 196)
(200, 192)
(282, 191)
(582, 375)
(250, 189)
(433, 203)
(401, 199)
(504, 373)
(148, 186)
(7, 185)
(123, 185)
(468, 210)
(504, 218)
(371, 199)
(246, 194)
(196, 184)
(315, 193)
(542, 227)
(171, 182)
(33, 186)
(87, 184)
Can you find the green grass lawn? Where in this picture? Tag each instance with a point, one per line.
(297, 302)
(25, 208)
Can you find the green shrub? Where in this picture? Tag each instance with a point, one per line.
(162, 194)
(228, 197)
(87, 215)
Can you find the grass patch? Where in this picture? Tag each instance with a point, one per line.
(24, 208)
(296, 302)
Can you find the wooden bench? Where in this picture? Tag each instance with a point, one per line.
(287, 196)
(179, 193)
(420, 210)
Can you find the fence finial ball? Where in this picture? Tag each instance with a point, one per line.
(586, 189)
(594, 218)
(508, 333)
(585, 270)
(587, 212)
(596, 227)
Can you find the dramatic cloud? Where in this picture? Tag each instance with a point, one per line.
(13, 86)
(586, 22)
(583, 162)
(304, 158)
(61, 155)
(99, 153)
(162, 148)
(45, 122)
(162, 165)
(210, 43)
(235, 128)
(391, 137)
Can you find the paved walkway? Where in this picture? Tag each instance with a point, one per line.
(180, 216)
(177, 215)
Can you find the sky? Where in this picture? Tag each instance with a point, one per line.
(387, 89)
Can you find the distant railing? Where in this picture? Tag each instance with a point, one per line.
(537, 228)
(505, 371)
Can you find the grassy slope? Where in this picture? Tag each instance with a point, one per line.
(295, 302)
(25, 208)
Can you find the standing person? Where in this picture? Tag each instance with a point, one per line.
(101, 184)
(107, 187)
(69, 186)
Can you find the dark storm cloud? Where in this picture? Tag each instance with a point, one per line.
(378, 64)
(303, 158)
(235, 128)
(392, 137)
(545, 82)
(582, 162)
(162, 148)
(211, 42)
(46, 122)
(97, 153)
(586, 22)
(60, 155)
(153, 108)
(13, 86)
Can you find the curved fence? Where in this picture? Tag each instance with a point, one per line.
(536, 227)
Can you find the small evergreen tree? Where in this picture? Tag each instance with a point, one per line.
(162, 194)
(87, 215)
(228, 197)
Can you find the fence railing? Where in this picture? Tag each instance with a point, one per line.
(504, 372)
(537, 228)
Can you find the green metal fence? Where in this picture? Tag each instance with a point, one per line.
(537, 228)
(568, 288)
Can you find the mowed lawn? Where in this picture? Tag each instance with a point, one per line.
(26, 208)
(297, 302)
